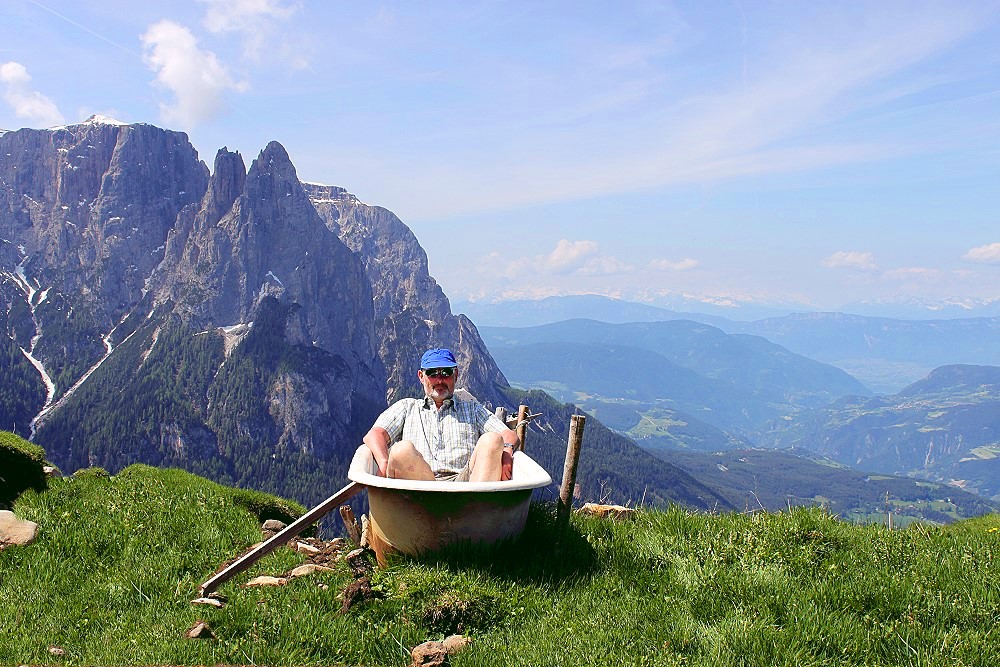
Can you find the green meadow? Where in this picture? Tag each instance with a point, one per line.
(118, 560)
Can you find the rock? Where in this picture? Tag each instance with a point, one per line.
(199, 630)
(51, 471)
(616, 512)
(455, 643)
(16, 532)
(337, 543)
(429, 654)
(307, 569)
(273, 526)
(266, 581)
(307, 549)
(209, 602)
(57, 651)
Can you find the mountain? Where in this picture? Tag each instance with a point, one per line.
(236, 323)
(637, 392)
(412, 313)
(159, 313)
(736, 383)
(774, 480)
(532, 313)
(612, 468)
(945, 428)
(886, 354)
(912, 308)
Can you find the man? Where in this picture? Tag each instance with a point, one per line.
(439, 436)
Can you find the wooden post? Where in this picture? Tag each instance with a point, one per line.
(501, 414)
(522, 426)
(282, 536)
(576, 425)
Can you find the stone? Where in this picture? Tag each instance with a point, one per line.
(429, 654)
(307, 569)
(273, 526)
(57, 651)
(307, 549)
(615, 512)
(200, 630)
(51, 471)
(209, 602)
(456, 643)
(266, 581)
(16, 532)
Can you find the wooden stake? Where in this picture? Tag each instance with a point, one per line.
(576, 425)
(522, 426)
(282, 536)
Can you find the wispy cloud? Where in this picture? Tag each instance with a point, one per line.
(196, 78)
(685, 264)
(257, 23)
(850, 259)
(913, 273)
(985, 254)
(566, 258)
(33, 106)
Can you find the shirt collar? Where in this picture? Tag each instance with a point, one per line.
(446, 403)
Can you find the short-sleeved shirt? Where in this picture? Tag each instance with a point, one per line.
(444, 436)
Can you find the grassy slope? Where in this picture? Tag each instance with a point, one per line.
(118, 559)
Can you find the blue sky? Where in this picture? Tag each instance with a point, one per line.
(790, 152)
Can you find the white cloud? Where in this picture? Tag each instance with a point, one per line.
(864, 261)
(29, 104)
(685, 264)
(984, 254)
(196, 78)
(255, 21)
(567, 256)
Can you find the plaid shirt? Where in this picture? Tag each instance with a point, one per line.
(444, 436)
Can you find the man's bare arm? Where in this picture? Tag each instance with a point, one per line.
(377, 440)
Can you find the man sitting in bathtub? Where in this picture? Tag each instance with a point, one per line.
(440, 436)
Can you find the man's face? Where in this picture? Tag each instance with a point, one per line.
(439, 383)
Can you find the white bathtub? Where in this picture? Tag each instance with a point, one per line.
(413, 516)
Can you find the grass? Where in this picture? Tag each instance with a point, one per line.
(119, 558)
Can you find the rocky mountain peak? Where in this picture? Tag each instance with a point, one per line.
(226, 184)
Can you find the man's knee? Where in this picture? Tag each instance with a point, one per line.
(403, 451)
(491, 443)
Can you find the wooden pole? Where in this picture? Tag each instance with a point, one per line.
(282, 536)
(522, 426)
(576, 425)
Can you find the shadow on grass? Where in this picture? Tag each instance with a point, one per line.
(539, 555)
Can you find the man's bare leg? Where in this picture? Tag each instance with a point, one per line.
(405, 462)
(484, 466)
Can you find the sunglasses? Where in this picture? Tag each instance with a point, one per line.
(439, 372)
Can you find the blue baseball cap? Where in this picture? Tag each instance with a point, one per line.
(438, 358)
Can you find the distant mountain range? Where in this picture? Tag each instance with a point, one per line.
(885, 354)
(945, 428)
(660, 379)
(753, 479)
